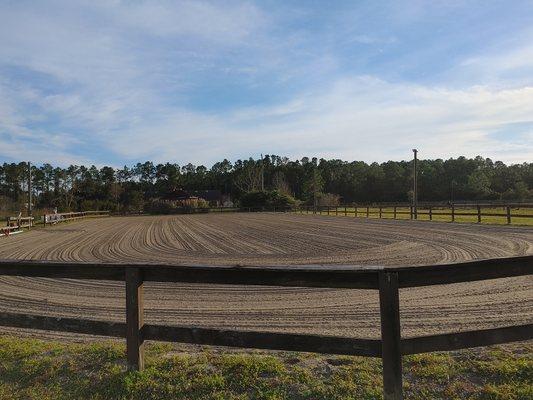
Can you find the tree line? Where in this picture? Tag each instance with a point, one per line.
(307, 180)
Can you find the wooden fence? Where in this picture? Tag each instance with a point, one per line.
(51, 219)
(387, 210)
(388, 280)
(16, 224)
(396, 211)
(205, 210)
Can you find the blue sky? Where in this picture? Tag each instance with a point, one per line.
(116, 82)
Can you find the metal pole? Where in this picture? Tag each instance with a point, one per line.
(453, 184)
(314, 187)
(262, 174)
(415, 184)
(29, 191)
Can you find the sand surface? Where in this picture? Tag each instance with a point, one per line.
(273, 239)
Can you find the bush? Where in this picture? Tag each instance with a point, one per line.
(267, 199)
(202, 203)
(158, 207)
(328, 199)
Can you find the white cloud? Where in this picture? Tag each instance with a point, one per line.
(363, 118)
(210, 21)
(120, 75)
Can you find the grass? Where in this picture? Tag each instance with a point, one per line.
(35, 369)
(403, 213)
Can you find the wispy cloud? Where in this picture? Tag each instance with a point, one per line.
(197, 81)
(361, 118)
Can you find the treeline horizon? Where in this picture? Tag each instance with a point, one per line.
(129, 188)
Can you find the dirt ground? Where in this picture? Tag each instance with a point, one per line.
(273, 239)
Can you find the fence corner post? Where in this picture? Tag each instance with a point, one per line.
(389, 302)
(453, 213)
(134, 318)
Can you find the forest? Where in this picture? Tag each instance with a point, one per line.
(78, 188)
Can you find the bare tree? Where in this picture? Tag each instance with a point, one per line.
(280, 183)
(248, 177)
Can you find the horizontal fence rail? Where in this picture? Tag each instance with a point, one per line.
(388, 280)
(15, 225)
(206, 210)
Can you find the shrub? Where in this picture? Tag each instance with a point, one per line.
(266, 199)
(328, 199)
(158, 207)
(202, 203)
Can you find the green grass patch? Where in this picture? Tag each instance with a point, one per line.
(35, 369)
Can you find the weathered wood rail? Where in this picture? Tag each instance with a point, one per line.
(16, 224)
(388, 280)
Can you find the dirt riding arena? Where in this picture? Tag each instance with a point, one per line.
(273, 239)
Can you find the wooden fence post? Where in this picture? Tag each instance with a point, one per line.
(389, 303)
(356, 211)
(508, 214)
(328, 209)
(411, 211)
(430, 213)
(345, 211)
(368, 212)
(336, 210)
(380, 212)
(134, 318)
(394, 212)
(478, 214)
(453, 213)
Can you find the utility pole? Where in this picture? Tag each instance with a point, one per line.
(415, 184)
(453, 186)
(262, 174)
(29, 191)
(314, 188)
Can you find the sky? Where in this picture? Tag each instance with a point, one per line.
(117, 82)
